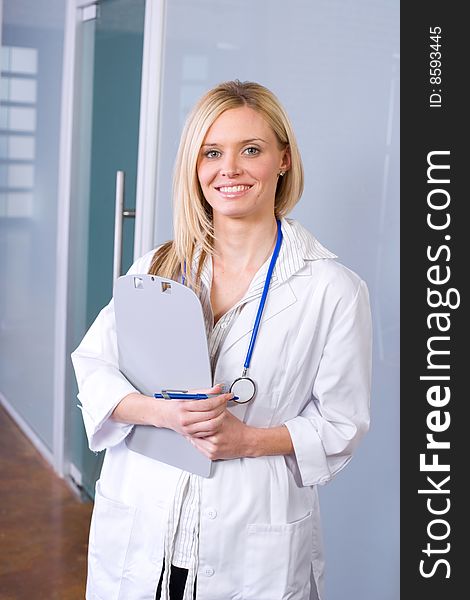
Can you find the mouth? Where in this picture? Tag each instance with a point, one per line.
(233, 191)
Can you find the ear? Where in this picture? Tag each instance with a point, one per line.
(286, 159)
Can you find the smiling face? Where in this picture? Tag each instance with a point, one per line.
(239, 165)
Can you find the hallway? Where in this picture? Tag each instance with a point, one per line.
(43, 526)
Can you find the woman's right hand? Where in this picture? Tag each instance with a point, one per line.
(195, 418)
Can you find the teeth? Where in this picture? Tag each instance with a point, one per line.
(234, 188)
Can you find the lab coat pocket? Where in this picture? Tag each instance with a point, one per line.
(278, 560)
(110, 534)
(145, 554)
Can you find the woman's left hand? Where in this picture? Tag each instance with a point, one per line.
(230, 441)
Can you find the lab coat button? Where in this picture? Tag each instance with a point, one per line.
(208, 571)
(211, 513)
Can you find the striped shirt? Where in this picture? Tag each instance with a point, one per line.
(298, 246)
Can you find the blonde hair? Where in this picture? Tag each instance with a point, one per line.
(192, 214)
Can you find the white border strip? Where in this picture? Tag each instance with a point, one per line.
(152, 72)
(63, 228)
(27, 430)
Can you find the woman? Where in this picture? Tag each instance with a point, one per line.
(252, 529)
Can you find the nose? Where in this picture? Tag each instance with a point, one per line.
(230, 166)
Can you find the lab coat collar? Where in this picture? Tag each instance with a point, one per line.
(299, 247)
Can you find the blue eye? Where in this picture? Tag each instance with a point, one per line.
(251, 151)
(212, 154)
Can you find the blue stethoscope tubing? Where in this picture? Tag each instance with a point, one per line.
(264, 295)
(244, 388)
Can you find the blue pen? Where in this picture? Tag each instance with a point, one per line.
(183, 396)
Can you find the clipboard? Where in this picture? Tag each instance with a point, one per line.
(162, 345)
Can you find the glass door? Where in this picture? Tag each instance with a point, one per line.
(106, 133)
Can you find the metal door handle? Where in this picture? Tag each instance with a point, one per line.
(119, 215)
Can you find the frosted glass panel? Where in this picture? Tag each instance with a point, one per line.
(16, 204)
(18, 90)
(17, 118)
(17, 147)
(20, 176)
(32, 38)
(334, 64)
(16, 58)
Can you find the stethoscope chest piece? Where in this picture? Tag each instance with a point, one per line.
(244, 389)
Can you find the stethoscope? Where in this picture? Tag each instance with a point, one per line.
(244, 387)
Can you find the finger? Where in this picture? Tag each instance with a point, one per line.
(215, 403)
(203, 445)
(192, 418)
(208, 404)
(206, 428)
(189, 423)
(218, 388)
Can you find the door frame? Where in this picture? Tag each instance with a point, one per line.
(152, 65)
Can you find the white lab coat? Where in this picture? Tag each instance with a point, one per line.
(260, 533)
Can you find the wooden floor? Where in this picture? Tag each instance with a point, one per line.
(43, 525)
